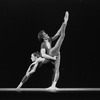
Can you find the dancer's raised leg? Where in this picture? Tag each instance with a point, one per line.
(58, 44)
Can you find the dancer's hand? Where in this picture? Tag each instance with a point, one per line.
(66, 17)
(55, 57)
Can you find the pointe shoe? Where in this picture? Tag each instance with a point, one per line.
(19, 86)
(66, 16)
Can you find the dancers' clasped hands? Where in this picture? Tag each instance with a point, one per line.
(55, 57)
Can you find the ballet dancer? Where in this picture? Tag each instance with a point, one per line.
(35, 57)
(49, 52)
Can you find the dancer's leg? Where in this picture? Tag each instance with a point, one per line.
(58, 44)
(56, 70)
(56, 74)
(26, 77)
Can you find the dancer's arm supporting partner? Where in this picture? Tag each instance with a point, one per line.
(43, 52)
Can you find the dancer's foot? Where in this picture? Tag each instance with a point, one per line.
(52, 88)
(66, 17)
(18, 89)
(19, 86)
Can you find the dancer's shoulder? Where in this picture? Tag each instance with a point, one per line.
(43, 45)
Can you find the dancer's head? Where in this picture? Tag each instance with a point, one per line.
(34, 56)
(42, 36)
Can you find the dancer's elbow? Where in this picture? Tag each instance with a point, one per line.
(44, 55)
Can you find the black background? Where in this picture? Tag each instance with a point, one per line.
(20, 22)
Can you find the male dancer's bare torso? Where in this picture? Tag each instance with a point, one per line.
(49, 49)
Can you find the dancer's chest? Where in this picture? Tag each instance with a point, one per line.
(48, 45)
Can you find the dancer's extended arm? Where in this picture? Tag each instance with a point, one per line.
(56, 35)
(58, 32)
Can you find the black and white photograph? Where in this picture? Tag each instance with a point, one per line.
(49, 46)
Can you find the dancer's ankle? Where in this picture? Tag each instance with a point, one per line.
(20, 85)
(54, 84)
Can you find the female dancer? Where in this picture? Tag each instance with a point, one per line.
(36, 58)
(49, 52)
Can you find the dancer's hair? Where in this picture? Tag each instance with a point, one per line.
(40, 35)
(36, 54)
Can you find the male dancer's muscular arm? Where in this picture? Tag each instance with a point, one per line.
(46, 55)
(56, 36)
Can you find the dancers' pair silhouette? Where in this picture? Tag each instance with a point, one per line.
(48, 53)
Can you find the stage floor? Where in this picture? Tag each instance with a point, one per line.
(44, 89)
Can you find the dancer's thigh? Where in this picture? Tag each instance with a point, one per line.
(55, 50)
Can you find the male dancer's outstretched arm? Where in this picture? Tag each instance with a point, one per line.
(56, 35)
